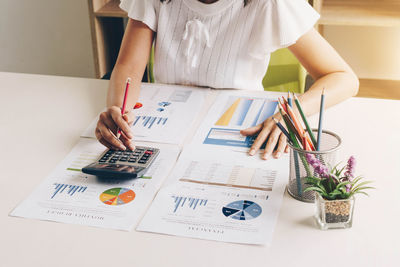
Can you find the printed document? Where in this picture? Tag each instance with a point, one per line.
(70, 196)
(164, 113)
(212, 194)
(231, 112)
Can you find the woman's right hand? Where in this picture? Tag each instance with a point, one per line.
(107, 127)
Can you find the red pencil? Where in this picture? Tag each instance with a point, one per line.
(282, 103)
(128, 82)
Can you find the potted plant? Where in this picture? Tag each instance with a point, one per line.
(335, 190)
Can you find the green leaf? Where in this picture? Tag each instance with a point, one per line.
(313, 188)
(335, 193)
(339, 172)
(343, 184)
(356, 180)
(313, 180)
(360, 185)
(362, 188)
(363, 183)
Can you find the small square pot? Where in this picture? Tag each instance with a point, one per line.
(331, 214)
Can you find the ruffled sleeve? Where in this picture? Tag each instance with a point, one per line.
(142, 10)
(280, 23)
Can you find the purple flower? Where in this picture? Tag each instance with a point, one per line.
(349, 174)
(319, 168)
(351, 164)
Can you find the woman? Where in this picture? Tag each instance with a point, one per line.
(221, 44)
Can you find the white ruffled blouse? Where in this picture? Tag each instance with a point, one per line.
(220, 45)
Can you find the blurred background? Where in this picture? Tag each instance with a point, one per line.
(55, 37)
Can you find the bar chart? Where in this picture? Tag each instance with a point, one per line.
(149, 122)
(190, 202)
(237, 113)
(67, 189)
(246, 112)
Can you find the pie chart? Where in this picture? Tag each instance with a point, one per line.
(242, 210)
(117, 196)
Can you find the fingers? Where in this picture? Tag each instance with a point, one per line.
(262, 136)
(252, 130)
(108, 125)
(120, 122)
(128, 142)
(107, 137)
(281, 146)
(129, 117)
(267, 131)
(287, 149)
(271, 143)
(103, 141)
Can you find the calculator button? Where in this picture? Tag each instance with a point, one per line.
(123, 159)
(132, 160)
(142, 161)
(112, 161)
(148, 152)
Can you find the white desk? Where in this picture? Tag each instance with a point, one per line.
(41, 119)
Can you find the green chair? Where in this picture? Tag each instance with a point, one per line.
(285, 73)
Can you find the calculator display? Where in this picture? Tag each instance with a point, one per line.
(116, 167)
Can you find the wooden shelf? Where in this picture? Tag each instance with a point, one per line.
(360, 12)
(111, 9)
(373, 88)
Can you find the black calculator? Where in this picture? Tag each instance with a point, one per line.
(123, 164)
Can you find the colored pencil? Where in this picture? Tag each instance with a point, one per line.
(280, 126)
(296, 158)
(289, 100)
(285, 101)
(304, 142)
(292, 130)
(321, 115)
(297, 102)
(295, 120)
(283, 106)
(128, 82)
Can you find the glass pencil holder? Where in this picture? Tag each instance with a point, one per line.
(300, 169)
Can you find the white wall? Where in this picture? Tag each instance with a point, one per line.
(53, 37)
(46, 37)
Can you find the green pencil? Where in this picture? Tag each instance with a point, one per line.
(289, 125)
(296, 100)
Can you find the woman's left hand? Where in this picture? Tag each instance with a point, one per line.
(276, 138)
